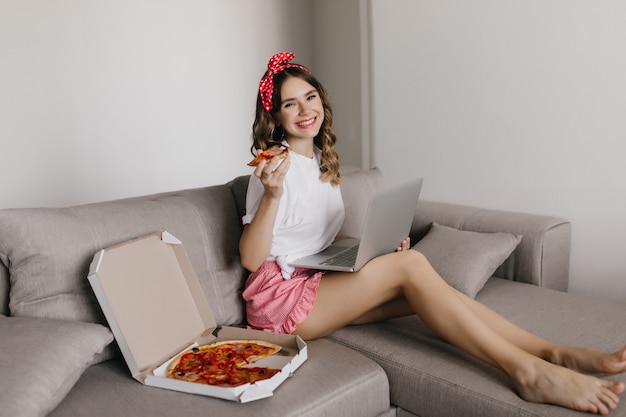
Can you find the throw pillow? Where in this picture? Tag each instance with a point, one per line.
(466, 259)
(42, 359)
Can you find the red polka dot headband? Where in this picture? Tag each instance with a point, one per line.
(277, 63)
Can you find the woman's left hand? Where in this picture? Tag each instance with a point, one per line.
(404, 245)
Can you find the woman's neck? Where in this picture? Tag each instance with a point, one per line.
(303, 147)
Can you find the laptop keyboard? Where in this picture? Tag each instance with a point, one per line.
(345, 258)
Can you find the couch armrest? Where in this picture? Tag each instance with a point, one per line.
(542, 257)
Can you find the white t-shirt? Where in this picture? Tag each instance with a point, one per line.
(309, 216)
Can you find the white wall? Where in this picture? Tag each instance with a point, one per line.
(109, 99)
(518, 105)
(338, 54)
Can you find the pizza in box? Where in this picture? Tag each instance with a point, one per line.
(228, 363)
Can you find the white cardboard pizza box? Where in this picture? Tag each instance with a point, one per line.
(155, 307)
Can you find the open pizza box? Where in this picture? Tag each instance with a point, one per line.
(155, 307)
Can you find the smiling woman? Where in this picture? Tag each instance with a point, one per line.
(301, 115)
(295, 208)
(303, 101)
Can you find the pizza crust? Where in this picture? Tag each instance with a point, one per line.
(269, 154)
(265, 343)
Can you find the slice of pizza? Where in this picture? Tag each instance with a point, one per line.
(269, 154)
(250, 351)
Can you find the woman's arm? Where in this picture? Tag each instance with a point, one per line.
(341, 237)
(257, 236)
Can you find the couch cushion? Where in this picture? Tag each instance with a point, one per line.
(48, 250)
(465, 259)
(239, 188)
(356, 189)
(41, 360)
(429, 377)
(334, 381)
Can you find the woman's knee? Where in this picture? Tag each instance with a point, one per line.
(418, 269)
(413, 260)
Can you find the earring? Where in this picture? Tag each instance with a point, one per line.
(277, 134)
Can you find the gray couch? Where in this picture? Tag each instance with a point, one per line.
(58, 359)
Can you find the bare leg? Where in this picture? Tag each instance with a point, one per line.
(592, 361)
(521, 338)
(345, 298)
(397, 307)
(579, 359)
(575, 358)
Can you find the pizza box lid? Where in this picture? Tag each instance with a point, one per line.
(156, 309)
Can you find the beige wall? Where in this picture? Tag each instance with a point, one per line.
(101, 100)
(517, 105)
(340, 54)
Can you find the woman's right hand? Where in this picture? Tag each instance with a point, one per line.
(272, 174)
(256, 240)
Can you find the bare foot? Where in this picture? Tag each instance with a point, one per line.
(543, 382)
(592, 361)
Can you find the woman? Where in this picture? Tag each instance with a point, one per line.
(294, 208)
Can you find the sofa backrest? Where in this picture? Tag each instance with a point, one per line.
(48, 250)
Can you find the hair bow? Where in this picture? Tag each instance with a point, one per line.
(276, 64)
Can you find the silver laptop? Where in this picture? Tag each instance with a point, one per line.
(388, 221)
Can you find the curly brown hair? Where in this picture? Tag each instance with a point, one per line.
(264, 127)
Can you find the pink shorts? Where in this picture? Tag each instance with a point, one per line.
(276, 304)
